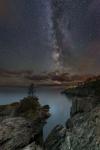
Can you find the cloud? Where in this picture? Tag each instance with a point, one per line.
(15, 78)
(10, 73)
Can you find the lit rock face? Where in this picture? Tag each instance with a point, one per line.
(15, 133)
(32, 146)
(85, 134)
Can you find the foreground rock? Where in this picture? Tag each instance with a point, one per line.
(56, 137)
(83, 128)
(85, 134)
(21, 125)
(32, 146)
(15, 133)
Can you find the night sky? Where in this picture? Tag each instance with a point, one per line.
(48, 35)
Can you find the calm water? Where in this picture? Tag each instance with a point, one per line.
(59, 104)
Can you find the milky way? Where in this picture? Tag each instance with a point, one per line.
(60, 35)
(57, 35)
(48, 35)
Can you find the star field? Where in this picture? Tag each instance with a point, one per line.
(32, 32)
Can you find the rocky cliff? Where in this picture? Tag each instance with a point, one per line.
(21, 125)
(82, 130)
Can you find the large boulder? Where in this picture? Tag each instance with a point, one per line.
(15, 133)
(18, 134)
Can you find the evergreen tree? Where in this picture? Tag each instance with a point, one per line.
(31, 90)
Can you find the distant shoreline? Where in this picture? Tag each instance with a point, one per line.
(18, 86)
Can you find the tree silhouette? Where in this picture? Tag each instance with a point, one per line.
(31, 90)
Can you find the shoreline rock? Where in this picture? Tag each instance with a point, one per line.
(21, 124)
